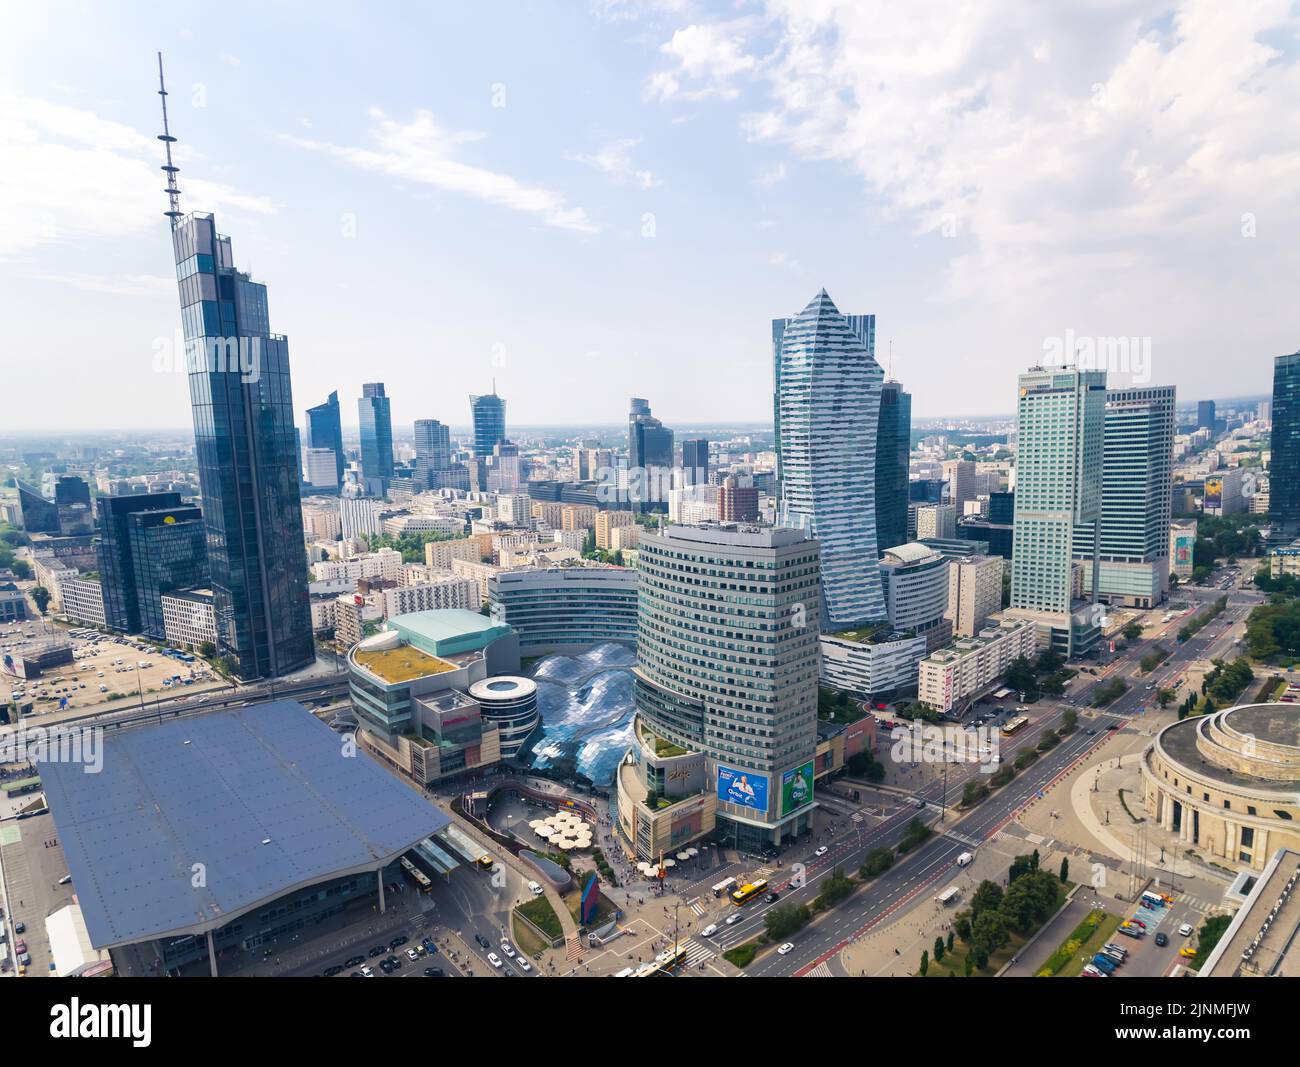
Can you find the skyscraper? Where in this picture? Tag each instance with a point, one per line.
(1205, 414)
(1136, 486)
(375, 415)
(38, 514)
(649, 458)
(325, 430)
(244, 442)
(489, 417)
(893, 449)
(432, 450)
(755, 728)
(827, 410)
(1284, 468)
(695, 460)
(1060, 425)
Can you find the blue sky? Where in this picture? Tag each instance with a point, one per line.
(589, 201)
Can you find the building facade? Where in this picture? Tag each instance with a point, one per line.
(893, 449)
(974, 592)
(953, 676)
(566, 609)
(325, 431)
(374, 413)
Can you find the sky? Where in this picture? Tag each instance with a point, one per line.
(593, 200)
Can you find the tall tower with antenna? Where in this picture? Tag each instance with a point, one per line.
(245, 446)
(173, 191)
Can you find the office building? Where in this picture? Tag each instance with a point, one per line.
(432, 452)
(38, 514)
(566, 609)
(695, 461)
(488, 415)
(737, 502)
(893, 447)
(1182, 548)
(997, 528)
(325, 431)
(188, 618)
(746, 739)
(82, 599)
(510, 704)
(959, 474)
(1224, 492)
(248, 464)
(649, 459)
(935, 520)
(873, 663)
(915, 584)
(320, 468)
(72, 502)
(974, 592)
(827, 400)
(1136, 488)
(374, 412)
(1205, 415)
(1284, 466)
(1061, 423)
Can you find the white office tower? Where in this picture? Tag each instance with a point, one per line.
(1060, 422)
(827, 403)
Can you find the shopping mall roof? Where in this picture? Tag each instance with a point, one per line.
(265, 798)
(448, 631)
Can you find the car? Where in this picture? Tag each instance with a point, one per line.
(385, 966)
(21, 946)
(483, 941)
(1138, 922)
(366, 972)
(771, 898)
(1187, 952)
(412, 955)
(821, 851)
(355, 961)
(522, 963)
(734, 918)
(709, 930)
(1185, 930)
(378, 950)
(395, 962)
(1162, 939)
(20, 928)
(398, 941)
(429, 946)
(330, 972)
(508, 949)
(433, 972)
(495, 960)
(785, 949)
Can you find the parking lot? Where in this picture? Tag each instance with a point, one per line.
(107, 672)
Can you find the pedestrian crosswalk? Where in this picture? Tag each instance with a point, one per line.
(697, 953)
(822, 970)
(697, 906)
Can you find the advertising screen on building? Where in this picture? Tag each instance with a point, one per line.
(1183, 546)
(1213, 492)
(748, 789)
(796, 787)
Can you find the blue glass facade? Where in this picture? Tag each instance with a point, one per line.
(375, 416)
(325, 430)
(893, 447)
(489, 417)
(169, 552)
(245, 444)
(39, 515)
(1284, 467)
(114, 556)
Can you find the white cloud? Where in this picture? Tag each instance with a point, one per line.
(708, 58)
(615, 160)
(421, 151)
(69, 174)
(772, 176)
(124, 285)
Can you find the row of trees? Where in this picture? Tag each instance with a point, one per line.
(1032, 896)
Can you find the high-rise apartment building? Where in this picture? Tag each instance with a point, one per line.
(245, 446)
(488, 414)
(827, 406)
(374, 412)
(1136, 487)
(712, 598)
(960, 476)
(737, 502)
(1284, 467)
(935, 521)
(974, 592)
(325, 430)
(1060, 426)
(893, 447)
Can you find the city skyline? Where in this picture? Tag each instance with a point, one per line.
(569, 183)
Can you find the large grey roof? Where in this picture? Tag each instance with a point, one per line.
(266, 798)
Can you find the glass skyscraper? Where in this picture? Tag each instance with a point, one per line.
(244, 441)
(649, 458)
(325, 430)
(39, 515)
(893, 449)
(1284, 468)
(488, 413)
(827, 407)
(695, 461)
(375, 416)
(432, 450)
(1060, 426)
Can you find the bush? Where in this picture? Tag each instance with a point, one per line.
(742, 955)
(878, 861)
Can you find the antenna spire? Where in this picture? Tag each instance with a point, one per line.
(173, 190)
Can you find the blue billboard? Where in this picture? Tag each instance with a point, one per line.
(748, 789)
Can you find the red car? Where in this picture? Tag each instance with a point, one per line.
(1138, 922)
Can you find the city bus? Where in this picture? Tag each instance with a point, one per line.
(1018, 723)
(665, 963)
(748, 891)
(416, 875)
(723, 887)
(22, 786)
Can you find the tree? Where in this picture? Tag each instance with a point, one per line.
(21, 568)
(925, 963)
(988, 897)
(41, 598)
(785, 919)
(938, 949)
(950, 940)
(1065, 869)
(1165, 696)
(878, 861)
(1132, 631)
(970, 964)
(207, 649)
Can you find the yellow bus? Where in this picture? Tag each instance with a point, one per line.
(1012, 725)
(664, 963)
(748, 891)
(486, 862)
(416, 875)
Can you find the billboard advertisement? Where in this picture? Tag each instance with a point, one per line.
(796, 787)
(1184, 544)
(747, 789)
(1213, 493)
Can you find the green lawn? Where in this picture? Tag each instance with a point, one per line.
(954, 962)
(1083, 943)
(540, 913)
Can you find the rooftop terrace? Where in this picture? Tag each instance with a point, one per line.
(401, 664)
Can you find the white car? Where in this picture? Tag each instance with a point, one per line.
(495, 960)
(1185, 930)
(734, 917)
(523, 964)
(366, 972)
(508, 949)
(821, 851)
(709, 930)
(787, 947)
